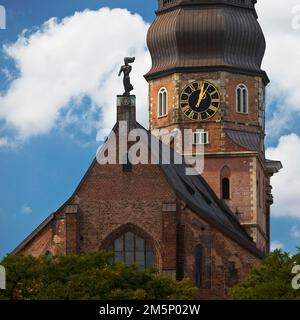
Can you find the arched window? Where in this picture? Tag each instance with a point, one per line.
(242, 99)
(225, 183)
(225, 189)
(131, 248)
(198, 266)
(162, 102)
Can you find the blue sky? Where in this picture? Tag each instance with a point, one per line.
(40, 173)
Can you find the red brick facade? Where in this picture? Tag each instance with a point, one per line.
(109, 202)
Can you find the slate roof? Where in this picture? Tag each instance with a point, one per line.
(198, 195)
(194, 191)
(206, 35)
(248, 140)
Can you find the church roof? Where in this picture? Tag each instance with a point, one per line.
(248, 140)
(193, 190)
(206, 35)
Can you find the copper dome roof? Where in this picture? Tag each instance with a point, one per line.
(195, 35)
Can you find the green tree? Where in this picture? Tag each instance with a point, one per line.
(272, 280)
(86, 277)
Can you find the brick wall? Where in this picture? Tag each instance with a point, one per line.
(110, 202)
(52, 239)
(226, 117)
(225, 263)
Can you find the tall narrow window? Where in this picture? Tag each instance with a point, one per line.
(131, 248)
(242, 99)
(225, 189)
(198, 266)
(225, 183)
(162, 102)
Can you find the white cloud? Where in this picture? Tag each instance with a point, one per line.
(280, 23)
(4, 142)
(7, 74)
(286, 183)
(66, 61)
(295, 232)
(26, 209)
(276, 245)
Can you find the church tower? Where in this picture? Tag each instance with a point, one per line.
(206, 74)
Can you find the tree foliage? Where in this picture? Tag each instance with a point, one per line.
(272, 280)
(86, 277)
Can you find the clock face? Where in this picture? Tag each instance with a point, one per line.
(200, 100)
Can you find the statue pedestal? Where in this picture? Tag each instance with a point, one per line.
(126, 110)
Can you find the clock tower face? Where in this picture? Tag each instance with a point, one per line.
(200, 100)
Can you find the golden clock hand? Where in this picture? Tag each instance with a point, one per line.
(200, 96)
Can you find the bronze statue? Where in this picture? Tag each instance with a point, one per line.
(126, 69)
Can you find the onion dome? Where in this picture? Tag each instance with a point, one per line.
(206, 35)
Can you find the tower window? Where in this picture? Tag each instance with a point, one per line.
(200, 138)
(198, 266)
(162, 102)
(131, 248)
(225, 189)
(242, 99)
